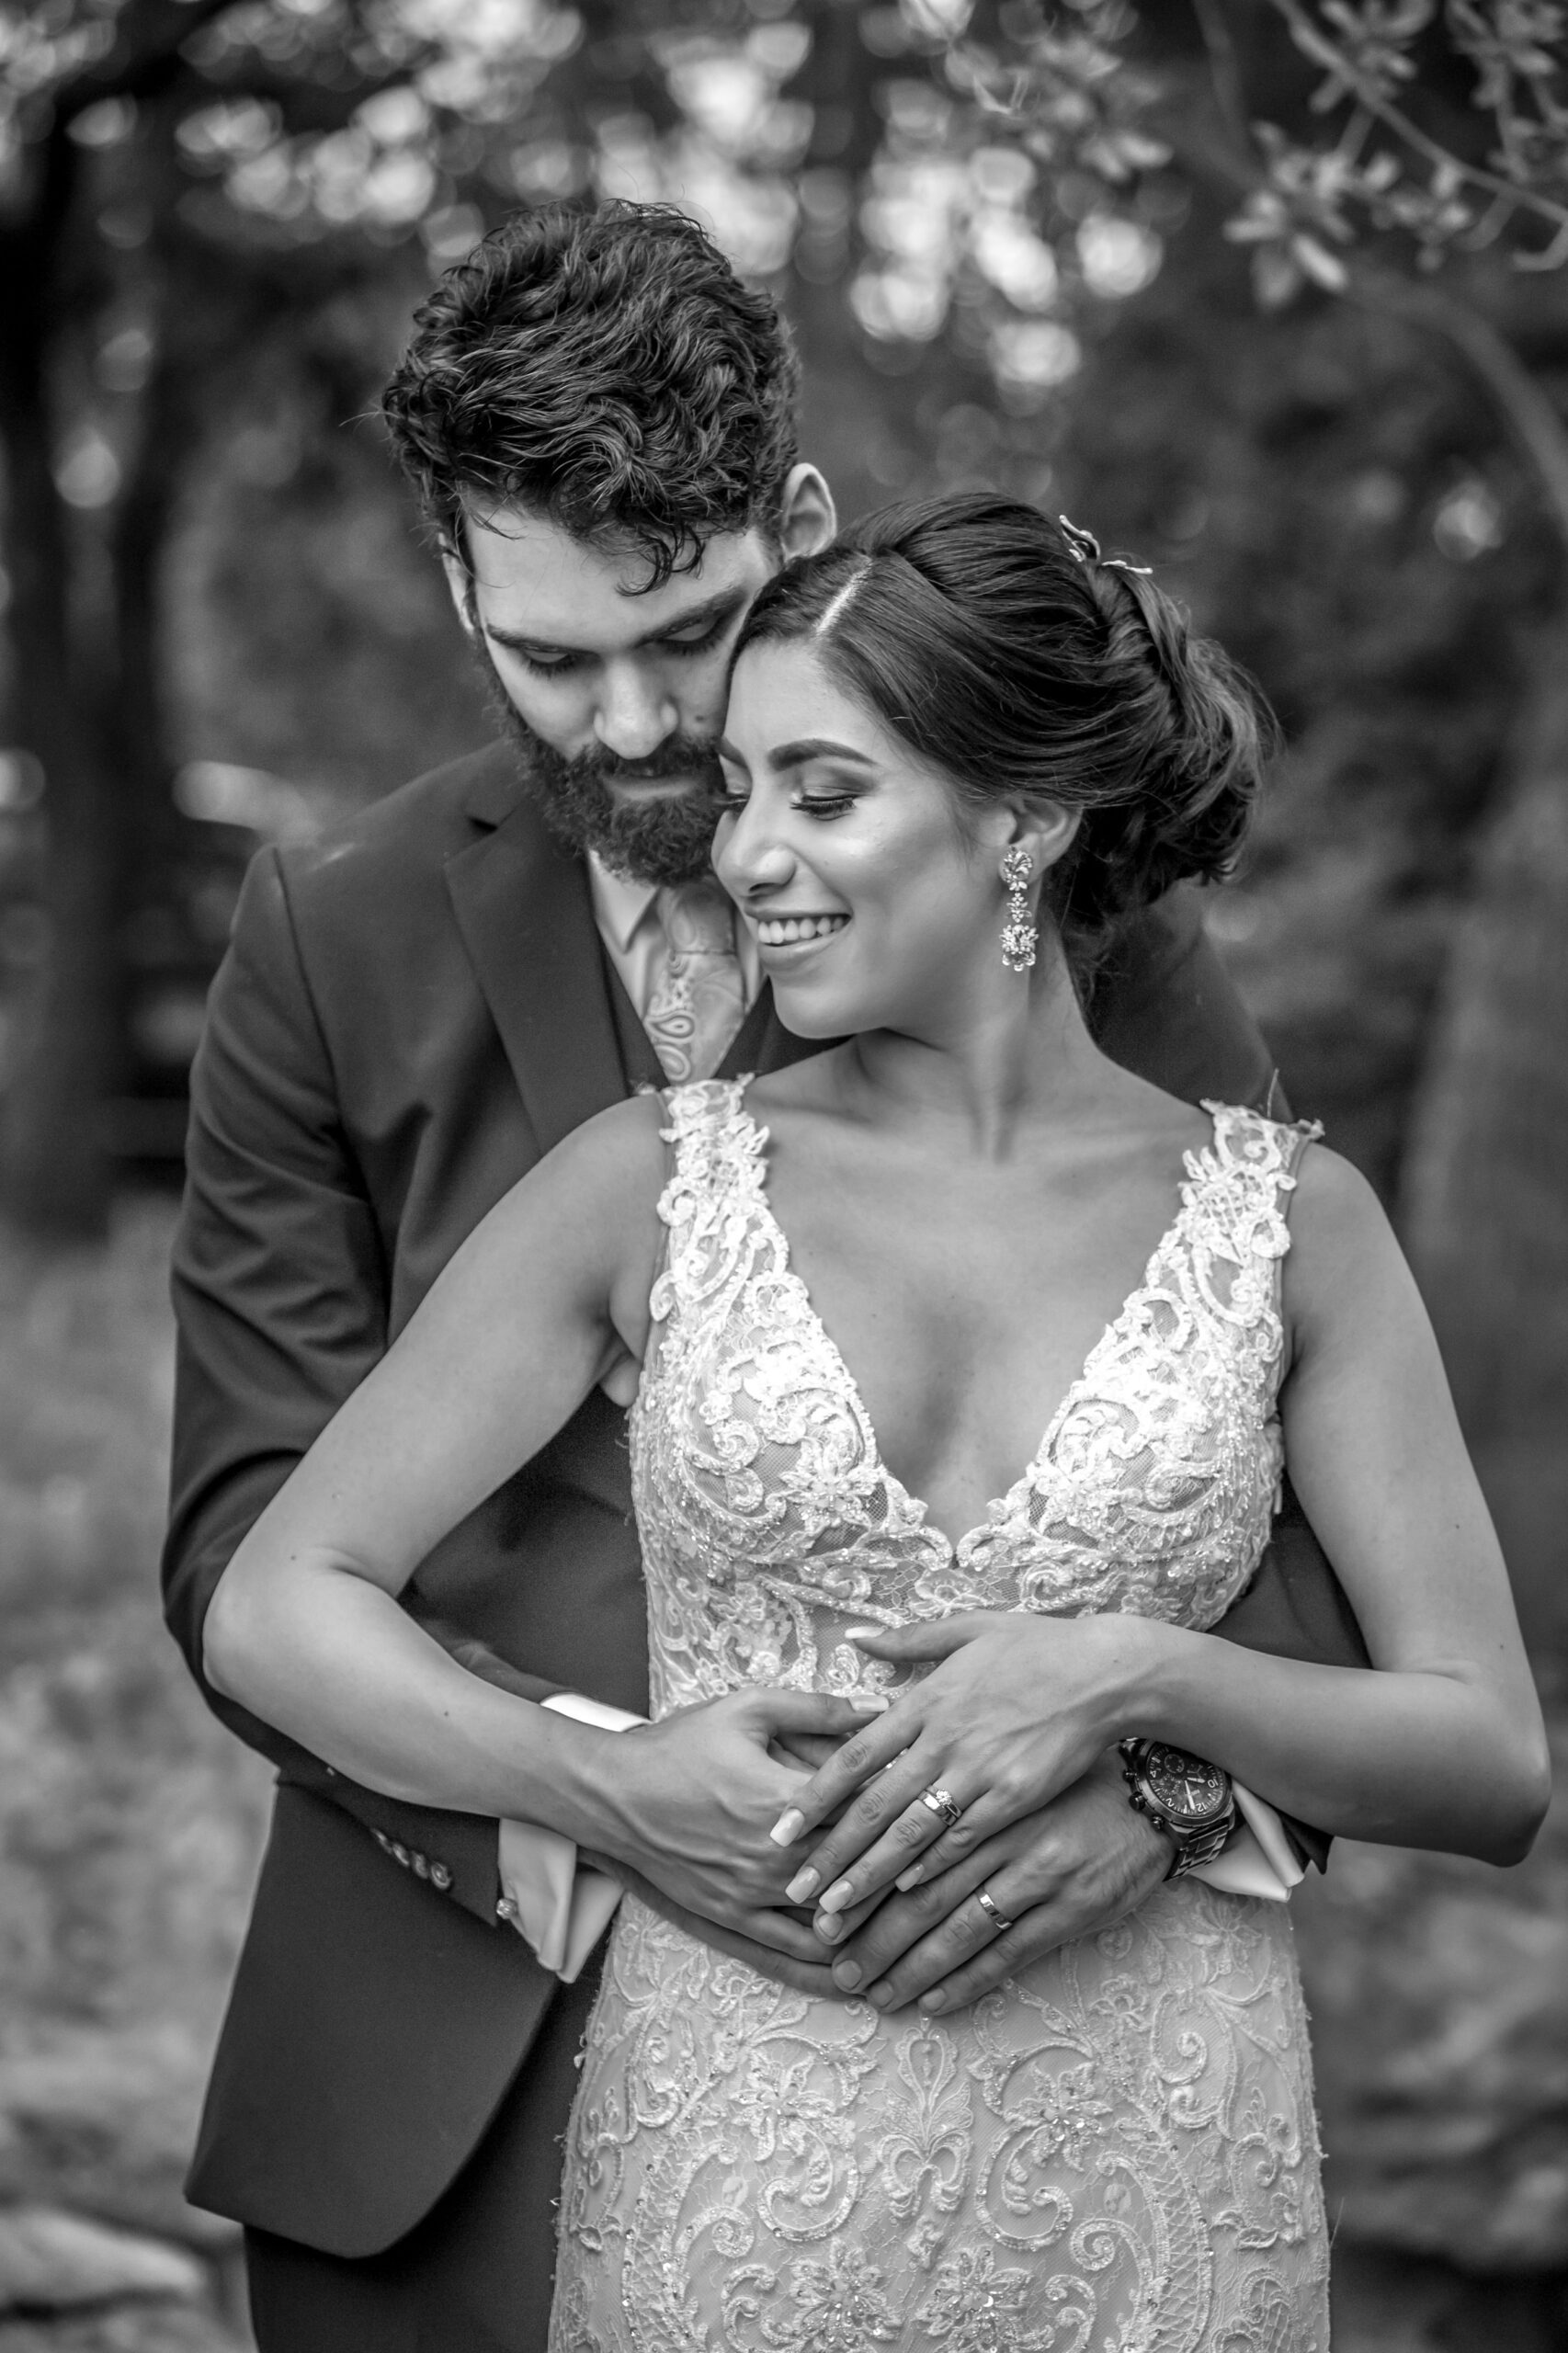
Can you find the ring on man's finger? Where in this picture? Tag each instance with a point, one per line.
(943, 1801)
(992, 1912)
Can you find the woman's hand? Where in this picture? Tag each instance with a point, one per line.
(1018, 1709)
(1065, 1873)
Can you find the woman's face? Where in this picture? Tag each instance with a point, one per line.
(843, 849)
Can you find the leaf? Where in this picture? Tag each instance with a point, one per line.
(1325, 269)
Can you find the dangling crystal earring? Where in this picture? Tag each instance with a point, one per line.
(1020, 933)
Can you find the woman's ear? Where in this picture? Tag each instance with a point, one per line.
(808, 518)
(1047, 829)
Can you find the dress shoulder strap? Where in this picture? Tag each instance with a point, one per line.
(715, 1170)
(1235, 1204)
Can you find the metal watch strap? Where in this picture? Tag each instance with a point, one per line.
(1201, 1846)
(1193, 1848)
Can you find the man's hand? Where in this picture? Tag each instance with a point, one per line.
(685, 1805)
(789, 1932)
(1072, 1868)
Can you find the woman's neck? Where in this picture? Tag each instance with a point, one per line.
(1015, 1057)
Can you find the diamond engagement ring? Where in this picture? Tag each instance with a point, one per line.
(992, 1912)
(942, 1801)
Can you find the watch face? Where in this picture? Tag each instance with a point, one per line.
(1188, 1789)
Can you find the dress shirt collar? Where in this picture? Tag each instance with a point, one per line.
(621, 905)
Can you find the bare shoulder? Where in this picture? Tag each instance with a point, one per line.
(1344, 1258)
(614, 1161)
(588, 1211)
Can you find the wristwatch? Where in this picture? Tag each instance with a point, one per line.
(1190, 1800)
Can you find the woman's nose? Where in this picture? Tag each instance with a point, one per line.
(749, 854)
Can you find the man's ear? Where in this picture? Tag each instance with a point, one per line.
(460, 587)
(808, 518)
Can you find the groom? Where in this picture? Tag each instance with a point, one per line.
(414, 1009)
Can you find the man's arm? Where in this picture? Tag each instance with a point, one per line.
(280, 1285)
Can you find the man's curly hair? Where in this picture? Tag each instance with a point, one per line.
(604, 366)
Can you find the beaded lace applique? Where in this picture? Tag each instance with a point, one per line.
(1116, 2152)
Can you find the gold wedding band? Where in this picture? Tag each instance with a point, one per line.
(942, 1801)
(992, 1912)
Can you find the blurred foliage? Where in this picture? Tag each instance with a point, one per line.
(216, 214)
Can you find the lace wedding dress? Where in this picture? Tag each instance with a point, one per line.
(1117, 2150)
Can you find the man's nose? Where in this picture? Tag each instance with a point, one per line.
(635, 714)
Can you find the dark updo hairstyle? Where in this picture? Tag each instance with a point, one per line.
(978, 632)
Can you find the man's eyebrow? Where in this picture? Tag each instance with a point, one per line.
(816, 747)
(712, 610)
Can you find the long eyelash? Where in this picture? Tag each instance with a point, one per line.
(695, 645)
(574, 662)
(827, 806)
(548, 669)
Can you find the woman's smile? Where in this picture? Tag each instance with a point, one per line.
(777, 933)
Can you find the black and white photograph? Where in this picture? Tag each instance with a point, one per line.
(783, 1176)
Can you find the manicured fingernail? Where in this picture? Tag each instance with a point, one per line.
(880, 1995)
(871, 1703)
(802, 1887)
(829, 1926)
(910, 1878)
(847, 1974)
(840, 1893)
(788, 1827)
(932, 2003)
(861, 1633)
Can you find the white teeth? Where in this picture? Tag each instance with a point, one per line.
(785, 931)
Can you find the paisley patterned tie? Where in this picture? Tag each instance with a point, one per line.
(700, 999)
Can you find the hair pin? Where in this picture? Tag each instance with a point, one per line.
(1086, 547)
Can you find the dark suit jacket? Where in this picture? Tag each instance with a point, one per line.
(414, 1009)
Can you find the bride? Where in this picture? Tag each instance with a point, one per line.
(850, 1300)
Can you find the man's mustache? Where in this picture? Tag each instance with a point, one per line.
(677, 755)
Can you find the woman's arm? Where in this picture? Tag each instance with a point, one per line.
(1444, 1747)
(546, 1298)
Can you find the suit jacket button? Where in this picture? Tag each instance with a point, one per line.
(440, 1877)
(383, 1841)
(402, 1854)
(422, 1864)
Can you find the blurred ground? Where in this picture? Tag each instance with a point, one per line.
(131, 1825)
(129, 1828)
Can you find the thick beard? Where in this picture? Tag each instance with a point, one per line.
(667, 838)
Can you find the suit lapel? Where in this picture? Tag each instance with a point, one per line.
(639, 1064)
(527, 921)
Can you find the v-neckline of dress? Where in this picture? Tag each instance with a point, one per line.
(999, 1508)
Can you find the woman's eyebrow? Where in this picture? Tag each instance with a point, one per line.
(816, 747)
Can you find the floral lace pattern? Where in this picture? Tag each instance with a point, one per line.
(1116, 2152)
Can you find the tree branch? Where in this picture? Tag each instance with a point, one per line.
(1533, 419)
(1224, 70)
(1315, 44)
(1537, 429)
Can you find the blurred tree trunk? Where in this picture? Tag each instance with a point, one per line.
(53, 1162)
(1486, 1187)
(1485, 1184)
